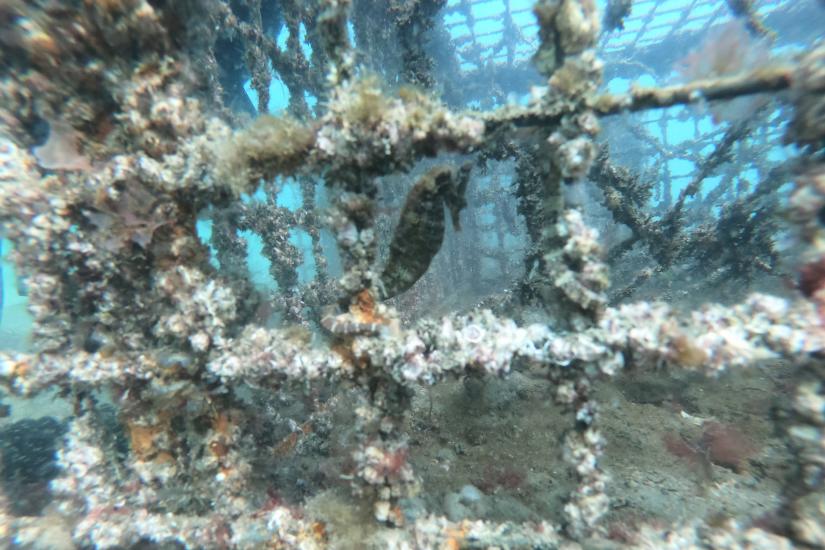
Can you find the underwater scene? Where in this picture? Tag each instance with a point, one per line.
(412, 274)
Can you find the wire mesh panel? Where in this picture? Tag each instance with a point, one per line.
(412, 273)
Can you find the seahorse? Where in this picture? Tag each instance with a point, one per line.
(420, 231)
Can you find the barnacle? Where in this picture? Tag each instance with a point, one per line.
(132, 216)
(60, 152)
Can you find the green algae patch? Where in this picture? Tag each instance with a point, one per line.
(270, 146)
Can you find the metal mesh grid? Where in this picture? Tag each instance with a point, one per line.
(668, 147)
(665, 146)
(501, 32)
(504, 32)
(656, 22)
(669, 143)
